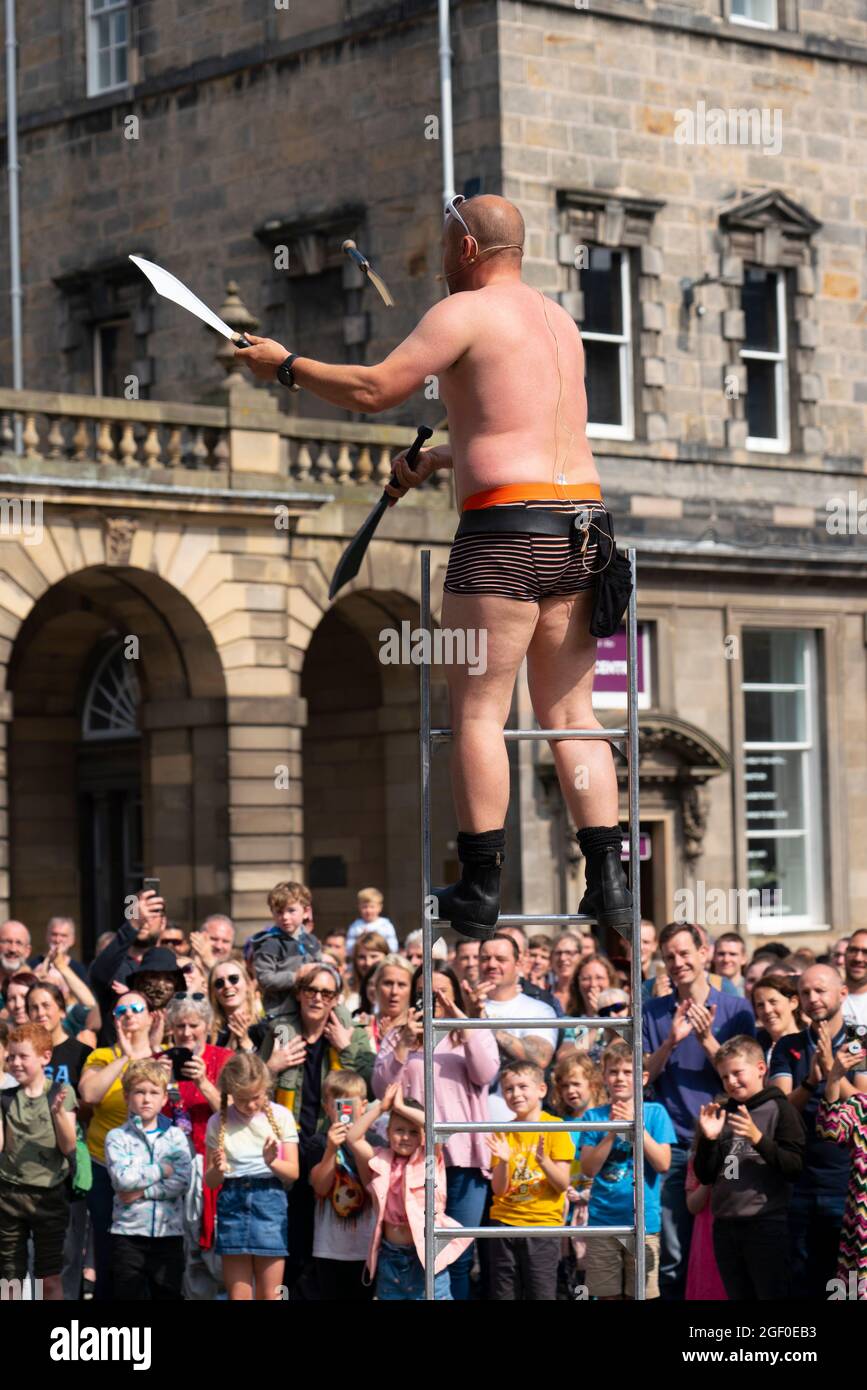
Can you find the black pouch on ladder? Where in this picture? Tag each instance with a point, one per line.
(613, 585)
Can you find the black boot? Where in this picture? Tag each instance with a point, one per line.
(607, 896)
(472, 906)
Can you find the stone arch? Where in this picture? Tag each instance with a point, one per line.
(209, 594)
(87, 818)
(360, 760)
(385, 708)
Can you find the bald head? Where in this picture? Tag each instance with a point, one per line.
(821, 992)
(492, 222)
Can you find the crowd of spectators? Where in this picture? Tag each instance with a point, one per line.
(195, 1117)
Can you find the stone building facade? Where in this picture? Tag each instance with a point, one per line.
(693, 188)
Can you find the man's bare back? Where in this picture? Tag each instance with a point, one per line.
(501, 393)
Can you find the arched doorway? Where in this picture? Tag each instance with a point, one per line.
(361, 762)
(118, 761)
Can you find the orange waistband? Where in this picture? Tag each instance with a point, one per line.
(533, 492)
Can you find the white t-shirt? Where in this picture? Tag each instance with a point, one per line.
(343, 1221)
(383, 925)
(855, 1008)
(245, 1139)
(522, 1006)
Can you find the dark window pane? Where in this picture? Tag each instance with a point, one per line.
(775, 791)
(774, 716)
(762, 399)
(116, 350)
(759, 303)
(778, 868)
(773, 658)
(600, 285)
(602, 380)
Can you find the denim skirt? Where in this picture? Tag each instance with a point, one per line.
(252, 1217)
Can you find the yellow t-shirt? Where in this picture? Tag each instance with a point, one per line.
(530, 1200)
(111, 1112)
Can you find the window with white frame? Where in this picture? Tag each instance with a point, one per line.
(107, 45)
(765, 352)
(783, 780)
(762, 14)
(606, 331)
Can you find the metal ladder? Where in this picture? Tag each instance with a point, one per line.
(434, 1132)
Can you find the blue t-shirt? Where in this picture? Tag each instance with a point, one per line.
(611, 1202)
(689, 1079)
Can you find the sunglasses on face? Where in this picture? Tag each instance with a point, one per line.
(327, 994)
(185, 994)
(187, 969)
(226, 980)
(609, 1010)
(135, 1008)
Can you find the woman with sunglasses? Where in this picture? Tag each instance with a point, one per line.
(189, 1019)
(195, 979)
(232, 997)
(101, 1087)
(314, 1036)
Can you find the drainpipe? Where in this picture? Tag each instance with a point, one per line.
(445, 54)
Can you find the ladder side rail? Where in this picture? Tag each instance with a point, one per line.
(430, 1245)
(632, 751)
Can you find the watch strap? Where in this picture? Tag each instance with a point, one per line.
(285, 373)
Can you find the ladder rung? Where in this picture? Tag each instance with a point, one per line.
(536, 735)
(492, 1232)
(531, 1126)
(446, 1025)
(521, 919)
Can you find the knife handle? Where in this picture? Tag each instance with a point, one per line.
(424, 432)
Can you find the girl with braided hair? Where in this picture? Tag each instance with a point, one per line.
(251, 1152)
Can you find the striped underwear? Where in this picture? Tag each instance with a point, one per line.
(520, 565)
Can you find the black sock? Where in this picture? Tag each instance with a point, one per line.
(592, 839)
(472, 848)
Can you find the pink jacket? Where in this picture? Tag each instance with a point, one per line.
(462, 1076)
(413, 1194)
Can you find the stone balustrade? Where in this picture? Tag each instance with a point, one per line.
(112, 436)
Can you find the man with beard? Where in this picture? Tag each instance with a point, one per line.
(122, 956)
(855, 965)
(14, 953)
(799, 1067)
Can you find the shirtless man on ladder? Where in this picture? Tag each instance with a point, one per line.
(523, 565)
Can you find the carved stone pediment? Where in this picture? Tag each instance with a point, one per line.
(762, 209)
(673, 755)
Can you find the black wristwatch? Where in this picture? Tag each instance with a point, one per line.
(285, 374)
(809, 1085)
